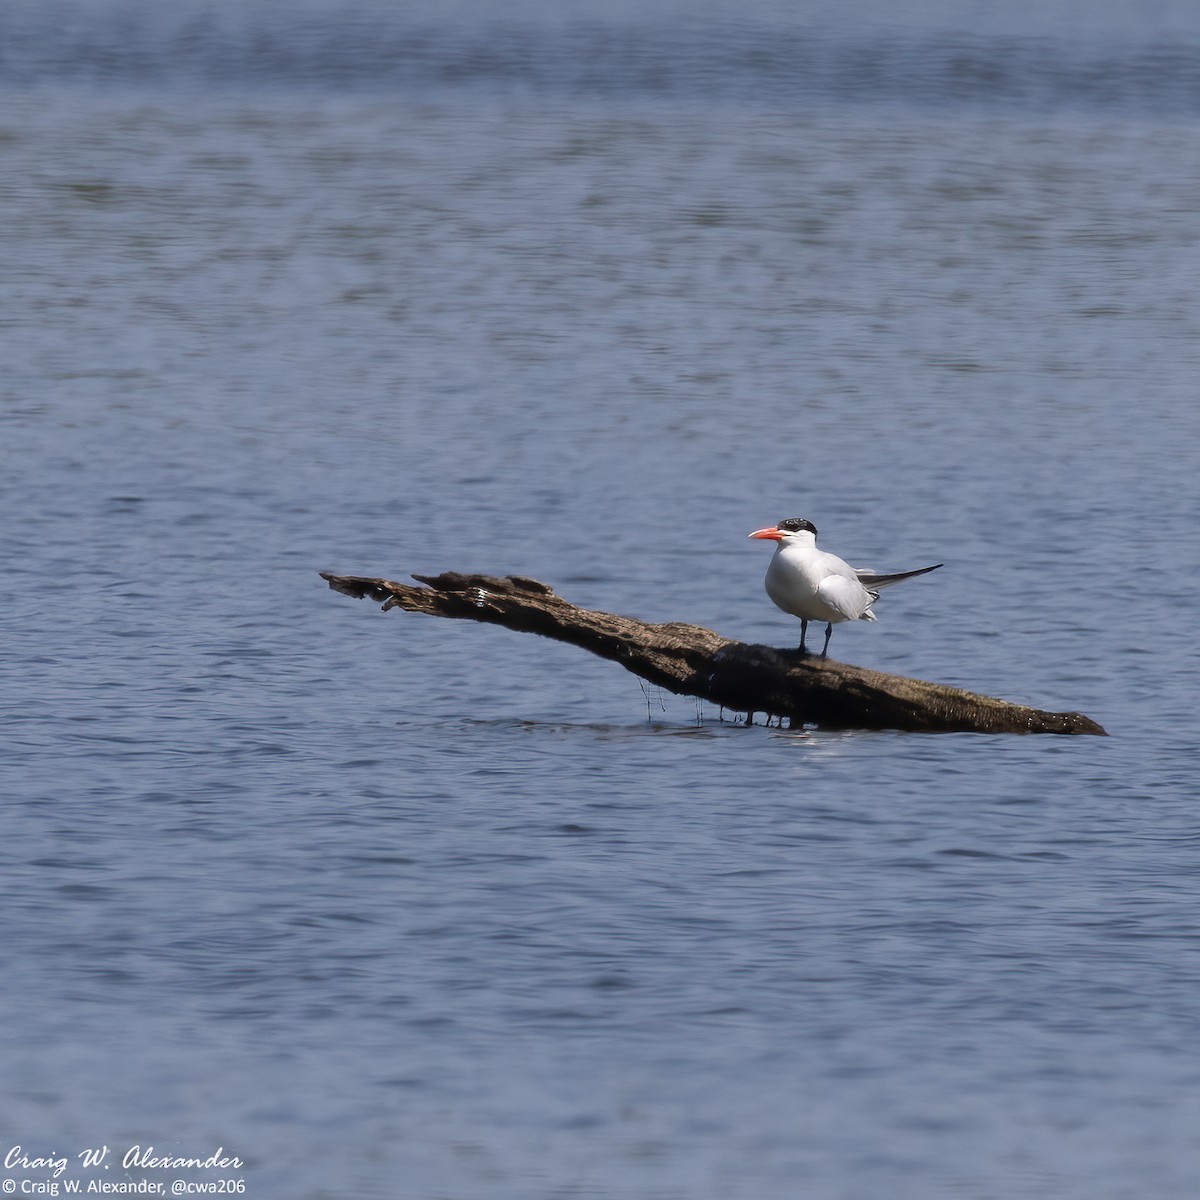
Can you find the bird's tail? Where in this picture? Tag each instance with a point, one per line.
(873, 582)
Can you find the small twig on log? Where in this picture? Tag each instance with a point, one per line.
(693, 661)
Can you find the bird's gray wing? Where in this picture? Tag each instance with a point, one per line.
(874, 582)
(845, 595)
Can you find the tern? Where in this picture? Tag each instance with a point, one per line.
(815, 586)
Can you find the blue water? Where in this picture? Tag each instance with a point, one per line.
(390, 906)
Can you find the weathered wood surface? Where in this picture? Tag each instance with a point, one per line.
(693, 661)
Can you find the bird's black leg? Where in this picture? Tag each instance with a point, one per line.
(828, 635)
(803, 631)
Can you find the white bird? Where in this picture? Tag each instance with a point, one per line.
(815, 586)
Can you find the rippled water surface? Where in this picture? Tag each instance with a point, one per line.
(398, 907)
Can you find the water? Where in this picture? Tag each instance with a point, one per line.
(393, 906)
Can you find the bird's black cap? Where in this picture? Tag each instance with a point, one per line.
(796, 524)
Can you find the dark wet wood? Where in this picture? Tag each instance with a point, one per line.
(693, 661)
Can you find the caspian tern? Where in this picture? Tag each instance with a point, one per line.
(815, 586)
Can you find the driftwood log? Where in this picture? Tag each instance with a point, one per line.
(693, 661)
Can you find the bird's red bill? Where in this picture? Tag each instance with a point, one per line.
(771, 532)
